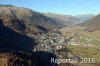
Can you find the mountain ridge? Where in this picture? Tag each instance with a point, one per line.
(66, 20)
(12, 15)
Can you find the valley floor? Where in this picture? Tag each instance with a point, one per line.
(83, 44)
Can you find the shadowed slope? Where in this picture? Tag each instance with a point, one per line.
(11, 40)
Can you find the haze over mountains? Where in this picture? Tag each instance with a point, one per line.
(85, 17)
(66, 20)
(92, 24)
(69, 20)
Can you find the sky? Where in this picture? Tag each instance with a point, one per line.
(66, 7)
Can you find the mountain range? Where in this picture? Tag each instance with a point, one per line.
(24, 20)
(66, 20)
(69, 20)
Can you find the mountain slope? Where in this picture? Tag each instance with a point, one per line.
(13, 41)
(23, 20)
(64, 19)
(92, 24)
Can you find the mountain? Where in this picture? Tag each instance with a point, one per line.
(66, 20)
(84, 18)
(17, 50)
(25, 20)
(92, 24)
(13, 41)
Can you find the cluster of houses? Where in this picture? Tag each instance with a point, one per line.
(50, 42)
